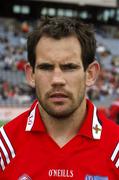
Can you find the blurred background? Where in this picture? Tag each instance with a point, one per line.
(18, 17)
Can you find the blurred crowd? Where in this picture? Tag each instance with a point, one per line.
(13, 57)
(107, 85)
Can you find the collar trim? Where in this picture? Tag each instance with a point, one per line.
(31, 119)
(96, 126)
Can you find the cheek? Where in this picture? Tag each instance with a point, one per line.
(78, 81)
(79, 85)
(41, 84)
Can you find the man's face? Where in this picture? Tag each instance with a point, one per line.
(59, 76)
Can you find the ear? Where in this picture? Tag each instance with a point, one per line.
(92, 73)
(29, 75)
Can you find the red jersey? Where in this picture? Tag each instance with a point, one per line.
(27, 152)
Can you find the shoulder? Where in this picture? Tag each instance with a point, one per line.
(10, 136)
(110, 140)
(17, 124)
(110, 128)
(13, 136)
(14, 129)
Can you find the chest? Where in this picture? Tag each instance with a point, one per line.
(41, 158)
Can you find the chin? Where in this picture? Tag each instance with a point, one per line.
(64, 113)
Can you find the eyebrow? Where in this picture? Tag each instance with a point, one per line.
(44, 65)
(69, 65)
(65, 67)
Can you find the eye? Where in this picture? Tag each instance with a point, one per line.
(45, 66)
(69, 67)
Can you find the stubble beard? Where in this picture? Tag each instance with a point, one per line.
(63, 114)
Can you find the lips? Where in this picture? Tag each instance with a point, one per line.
(58, 97)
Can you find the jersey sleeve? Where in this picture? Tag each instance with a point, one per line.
(7, 152)
(115, 159)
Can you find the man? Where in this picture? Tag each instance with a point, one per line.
(62, 136)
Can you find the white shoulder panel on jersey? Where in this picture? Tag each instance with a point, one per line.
(6, 149)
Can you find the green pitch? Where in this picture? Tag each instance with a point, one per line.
(2, 123)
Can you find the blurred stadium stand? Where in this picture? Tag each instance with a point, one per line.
(18, 17)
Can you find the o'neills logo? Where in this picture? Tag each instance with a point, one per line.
(60, 173)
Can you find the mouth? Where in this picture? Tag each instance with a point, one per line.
(58, 97)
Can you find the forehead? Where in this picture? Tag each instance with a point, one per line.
(54, 49)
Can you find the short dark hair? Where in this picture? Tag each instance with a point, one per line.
(59, 27)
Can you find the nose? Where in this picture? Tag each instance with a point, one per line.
(58, 78)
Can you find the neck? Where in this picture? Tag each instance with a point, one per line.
(63, 130)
